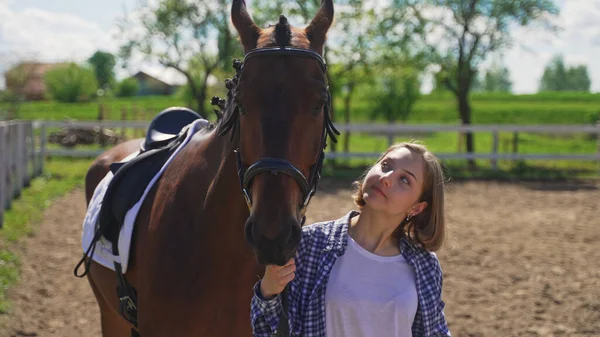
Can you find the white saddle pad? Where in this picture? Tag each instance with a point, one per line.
(103, 251)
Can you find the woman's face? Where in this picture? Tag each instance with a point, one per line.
(394, 185)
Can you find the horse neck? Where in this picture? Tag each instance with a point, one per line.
(223, 202)
(225, 186)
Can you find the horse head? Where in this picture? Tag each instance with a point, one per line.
(279, 112)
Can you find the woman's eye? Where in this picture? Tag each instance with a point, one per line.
(405, 180)
(384, 165)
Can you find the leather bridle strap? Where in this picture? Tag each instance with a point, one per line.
(287, 51)
(273, 166)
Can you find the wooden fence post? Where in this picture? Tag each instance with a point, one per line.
(494, 161)
(23, 150)
(461, 138)
(30, 156)
(135, 115)
(123, 119)
(18, 159)
(9, 136)
(145, 113)
(101, 139)
(598, 141)
(42, 148)
(3, 163)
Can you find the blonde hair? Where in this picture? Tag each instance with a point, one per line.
(426, 229)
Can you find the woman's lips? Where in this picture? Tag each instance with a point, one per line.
(376, 189)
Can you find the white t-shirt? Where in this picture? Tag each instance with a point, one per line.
(368, 295)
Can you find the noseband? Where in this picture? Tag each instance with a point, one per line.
(267, 164)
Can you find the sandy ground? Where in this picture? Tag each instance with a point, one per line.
(521, 259)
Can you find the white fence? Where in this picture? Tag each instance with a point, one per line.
(396, 130)
(22, 151)
(20, 160)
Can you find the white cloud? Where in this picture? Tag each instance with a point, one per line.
(55, 36)
(52, 36)
(36, 34)
(578, 41)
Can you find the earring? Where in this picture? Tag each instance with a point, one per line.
(408, 217)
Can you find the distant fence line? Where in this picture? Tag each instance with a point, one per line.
(23, 145)
(21, 159)
(382, 130)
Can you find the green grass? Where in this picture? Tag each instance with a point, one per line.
(443, 142)
(488, 108)
(440, 108)
(136, 108)
(61, 176)
(556, 108)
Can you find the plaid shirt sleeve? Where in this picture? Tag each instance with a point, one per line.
(440, 326)
(264, 313)
(436, 324)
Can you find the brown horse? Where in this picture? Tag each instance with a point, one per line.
(199, 239)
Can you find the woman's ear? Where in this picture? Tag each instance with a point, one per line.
(418, 208)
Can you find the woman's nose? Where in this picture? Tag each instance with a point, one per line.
(386, 178)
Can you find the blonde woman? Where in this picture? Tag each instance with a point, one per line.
(370, 273)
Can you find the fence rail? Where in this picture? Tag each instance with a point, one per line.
(20, 160)
(388, 130)
(23, 145)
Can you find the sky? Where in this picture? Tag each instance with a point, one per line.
(73, 30)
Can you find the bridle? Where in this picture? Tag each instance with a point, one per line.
(268, 164)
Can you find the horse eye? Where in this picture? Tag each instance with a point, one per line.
(319, 107)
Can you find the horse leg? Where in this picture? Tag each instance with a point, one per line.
(113, 325)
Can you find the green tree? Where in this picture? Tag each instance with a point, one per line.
(71, 83)
(497, 79)
(557, 77)
(178, 33)
(471, 30)
(103, 64)
(19, 68)
(129, 87)
(396, 92)
(364, 35)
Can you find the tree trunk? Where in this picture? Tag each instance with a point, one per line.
(464, 109)
(200, 99)
(201, 95)
(390, 136)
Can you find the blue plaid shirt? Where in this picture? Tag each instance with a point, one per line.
(319, 248)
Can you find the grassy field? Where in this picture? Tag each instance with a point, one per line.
(60, 177)
(555, 108)
(488, 108)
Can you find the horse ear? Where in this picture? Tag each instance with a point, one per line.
(317, 30)
(248, 30)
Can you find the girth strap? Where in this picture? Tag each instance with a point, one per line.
(125, 292)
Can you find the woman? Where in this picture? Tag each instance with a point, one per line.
(373, 272)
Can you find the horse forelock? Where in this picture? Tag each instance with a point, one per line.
(283, 35)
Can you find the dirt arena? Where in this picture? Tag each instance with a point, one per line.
(521, 259)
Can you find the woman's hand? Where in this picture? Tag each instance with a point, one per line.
(276, 278)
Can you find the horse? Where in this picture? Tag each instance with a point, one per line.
(234, 198)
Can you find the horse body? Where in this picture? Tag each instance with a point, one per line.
(194, 252)
(193, 292)
(198, 241)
